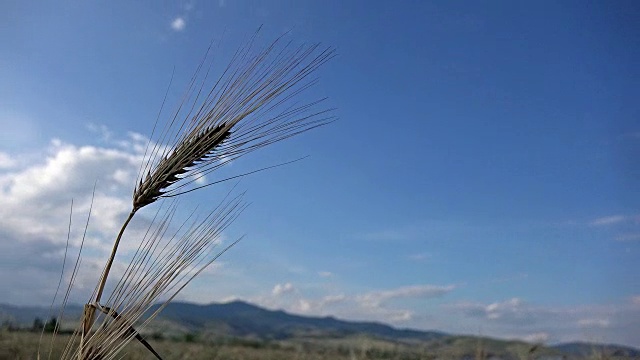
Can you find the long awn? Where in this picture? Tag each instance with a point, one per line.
(252, 104)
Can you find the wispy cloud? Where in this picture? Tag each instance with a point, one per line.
(377, 298)
(101, 130)
(622, 228)
(608, 220)
(614, 220)
(628, 237)
(379, 305)
(419, 257)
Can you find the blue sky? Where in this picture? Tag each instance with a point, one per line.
(482, 175)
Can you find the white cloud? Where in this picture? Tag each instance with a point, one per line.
(303, 306)
(35, 206)
(281, 289)
(351, 307)
(325, 274)
(332, 299)
(536, 338)
(517, 318)
(370, 306)
(179, 23)
(511, 311)
(35, 199)
(498, 310)
(6, 161)
(123, 177)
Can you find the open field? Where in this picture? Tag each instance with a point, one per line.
(23, 345)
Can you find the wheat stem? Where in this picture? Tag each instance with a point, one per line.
(89, 316)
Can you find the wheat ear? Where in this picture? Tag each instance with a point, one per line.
(249, 106)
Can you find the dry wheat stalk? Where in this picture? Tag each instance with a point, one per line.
(248, 107)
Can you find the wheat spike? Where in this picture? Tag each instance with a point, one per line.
(251, 105)
(242, 112)
(186, 156)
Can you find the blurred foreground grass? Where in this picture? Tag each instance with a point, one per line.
(23, 345)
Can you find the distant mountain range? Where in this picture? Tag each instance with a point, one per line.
(239, 319)
(245, 320)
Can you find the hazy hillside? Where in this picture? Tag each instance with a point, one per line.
(24, 315)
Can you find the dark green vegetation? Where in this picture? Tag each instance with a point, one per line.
(238, 330)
